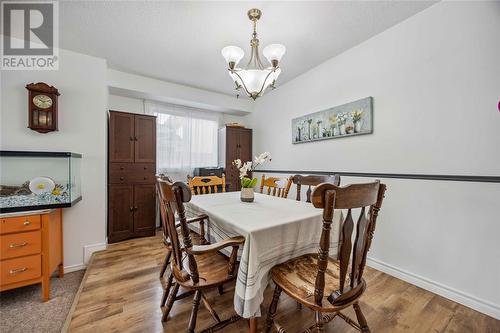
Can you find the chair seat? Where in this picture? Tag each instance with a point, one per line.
(212, 270)
(297, 278)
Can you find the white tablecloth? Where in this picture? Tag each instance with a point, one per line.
(275, 230)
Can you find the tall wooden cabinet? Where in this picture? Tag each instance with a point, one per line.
(131, 175)
(234, 143)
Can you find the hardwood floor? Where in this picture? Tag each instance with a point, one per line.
(122, 293)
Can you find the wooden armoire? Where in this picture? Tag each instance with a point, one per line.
(234, 143)
(131, 175)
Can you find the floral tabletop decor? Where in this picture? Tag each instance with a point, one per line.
(248, 184)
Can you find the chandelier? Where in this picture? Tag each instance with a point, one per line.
(255, 78)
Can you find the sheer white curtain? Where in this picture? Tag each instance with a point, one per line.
(186, 138)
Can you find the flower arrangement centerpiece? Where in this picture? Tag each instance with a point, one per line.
(356, 120)
(247, 184)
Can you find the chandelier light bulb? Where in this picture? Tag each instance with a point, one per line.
(274, 53)
(233, 55)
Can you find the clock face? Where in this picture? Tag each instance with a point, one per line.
(42, 101)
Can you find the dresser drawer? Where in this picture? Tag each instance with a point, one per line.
(19, 223)
(20, 269)
(120, 168)
(20, 244)
(144, 177)
(149, 168)
(128, 173)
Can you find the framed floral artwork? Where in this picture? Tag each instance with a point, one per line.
(354, 118)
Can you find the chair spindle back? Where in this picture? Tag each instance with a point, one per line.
(368, 199)
(312, 180)
(273, 187)
(206, 184)
(172, 199)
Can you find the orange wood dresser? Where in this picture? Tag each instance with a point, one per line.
(31, 249)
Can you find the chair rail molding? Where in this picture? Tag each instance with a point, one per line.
(459, 178)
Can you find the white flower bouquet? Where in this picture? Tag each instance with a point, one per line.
(245, 167)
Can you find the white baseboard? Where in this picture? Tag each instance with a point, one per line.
(74, 268)
(89, 249)
(453, 294)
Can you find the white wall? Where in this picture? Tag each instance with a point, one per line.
(434, 80)
(132, 85)
(81, 80)
(125, 104)
(136, 105)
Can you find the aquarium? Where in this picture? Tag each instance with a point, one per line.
(38, 180)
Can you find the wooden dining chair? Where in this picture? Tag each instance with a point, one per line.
(312, 180)
(273, 187)
(195, 268)
(324, 284)
(200, 218)
(206, 184)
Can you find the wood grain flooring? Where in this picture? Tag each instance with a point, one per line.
(122, 293)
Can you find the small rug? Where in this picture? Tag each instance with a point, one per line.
(22, 309)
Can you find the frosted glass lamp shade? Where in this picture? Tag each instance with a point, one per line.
(232, 54)
(274, 53)
(256, 80)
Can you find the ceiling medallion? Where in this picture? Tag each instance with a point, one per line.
(255, 78)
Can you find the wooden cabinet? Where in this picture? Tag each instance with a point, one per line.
(145, 139)
(120, 212)
(131, 176)
(121, 137)
(144, 209)
(234, 143)
(31, 249)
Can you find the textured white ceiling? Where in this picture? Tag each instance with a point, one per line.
(181, 41)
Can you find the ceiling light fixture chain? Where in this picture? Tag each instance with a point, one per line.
(255, 78)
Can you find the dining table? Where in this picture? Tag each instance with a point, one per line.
(275, 230)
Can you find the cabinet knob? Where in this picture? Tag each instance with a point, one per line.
(145, 178)
(131, 138)
(145, 168)
(131, 208)
(135, 138)
(27, 222)
(122, 168)
(136, 208)
(121, 178)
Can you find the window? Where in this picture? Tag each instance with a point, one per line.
(186, 139)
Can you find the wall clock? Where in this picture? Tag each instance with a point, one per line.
(42, 107)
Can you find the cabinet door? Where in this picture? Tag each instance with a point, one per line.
(120, 212)
(232, 153)
(121, 137)
(144, 210)
(245, 149)
(145, 139)
(245, 144)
